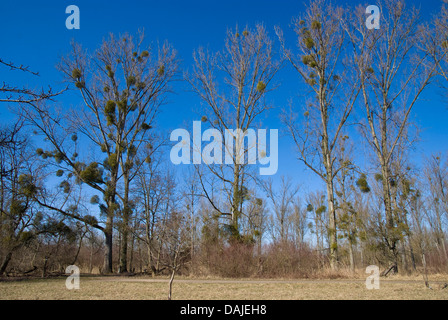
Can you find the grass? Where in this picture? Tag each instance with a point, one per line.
(122, 288)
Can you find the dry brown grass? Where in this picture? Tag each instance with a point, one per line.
(122, 288)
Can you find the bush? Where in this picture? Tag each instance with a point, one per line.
(287, 260)
(234, 260)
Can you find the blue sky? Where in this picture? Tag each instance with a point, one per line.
(33, 33)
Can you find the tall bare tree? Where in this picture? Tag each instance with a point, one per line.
(233, 84)
(324, 66)
(394, 71)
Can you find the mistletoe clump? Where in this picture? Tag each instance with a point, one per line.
(261, 86)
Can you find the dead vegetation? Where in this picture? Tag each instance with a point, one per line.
(137, 288)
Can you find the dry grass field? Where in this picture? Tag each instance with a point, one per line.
(139, 288)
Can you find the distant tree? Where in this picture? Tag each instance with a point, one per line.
(299, 221)
(419, 212)
(282, 201)
(192, 195)
(257, 220)
(176, 245)
(319, 226)
(155, 188)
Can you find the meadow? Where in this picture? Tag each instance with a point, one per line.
(144, 288)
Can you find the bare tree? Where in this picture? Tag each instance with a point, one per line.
(317, 209)
(324, 67)
(233, 84)
(393, 71)
(299, 221)
(177, 246)
(257, 218)
(192, 195)
(282, 202)
(155, 189)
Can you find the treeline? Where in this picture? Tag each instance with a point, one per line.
(95, 187)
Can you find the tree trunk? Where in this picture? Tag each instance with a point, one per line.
(236, 200)
(425, 270)
(192, 236)
(108, 242)
(131, 254)
(411, 250)
(361, 253)
(79, 249)
(140, 260)
(328, 163)
(5, 262)
(124, 244)
(443, 246)
(149, 267)
(171, 284)
(404, 260)
(391, 239)
(332, 232)
(351, 256)
(108, 230)
(44, 267)
(91, 260)
(125, 227)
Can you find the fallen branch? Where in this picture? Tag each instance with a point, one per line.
(31, 270)
(393, 268)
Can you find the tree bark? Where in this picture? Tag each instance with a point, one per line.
(328, 163)
(108, 235)
(5, 262)
(351, 256)
(171, 284)
(332, 226)
(124, 242)
(391, 239)
(236, 201)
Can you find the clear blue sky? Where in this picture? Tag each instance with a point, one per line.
(33, 33)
